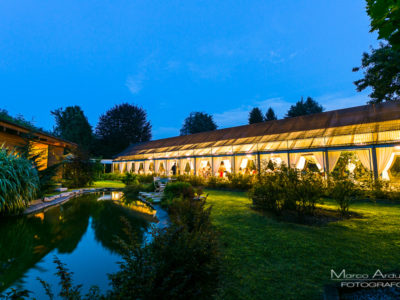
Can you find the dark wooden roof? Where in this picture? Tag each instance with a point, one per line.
(38, 134)
(330, 119)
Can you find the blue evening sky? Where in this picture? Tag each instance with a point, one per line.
(174, 57)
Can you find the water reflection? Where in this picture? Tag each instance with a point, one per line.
(25, 241)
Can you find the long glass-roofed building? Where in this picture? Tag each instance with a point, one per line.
(371, 133)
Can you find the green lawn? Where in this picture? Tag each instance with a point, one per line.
(108, 184)
(267, 259)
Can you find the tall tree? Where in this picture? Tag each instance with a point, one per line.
(301, 108)
(198, 122)
(381, 73)
(256, 116)
(385, 18)
(121, 126)
(73, 125)
(270, 115)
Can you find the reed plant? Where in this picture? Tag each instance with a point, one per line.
(19, 182)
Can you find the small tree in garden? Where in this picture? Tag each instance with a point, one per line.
(343, 191)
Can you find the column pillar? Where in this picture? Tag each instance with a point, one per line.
(326, 155)
(374, 162)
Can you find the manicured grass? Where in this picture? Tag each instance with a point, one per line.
(108, 184)
(267, 259)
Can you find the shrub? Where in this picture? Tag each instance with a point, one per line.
(130, 178)
(192, 179)
(343, 191)
(78, 170)
(19, 182)
(131, 192)
(305, 190)
(112, 176)
(240, 181)
(148, 178)
(178, 189)
(268, 194)
(182, 262)
(287, 189)
(218, 182)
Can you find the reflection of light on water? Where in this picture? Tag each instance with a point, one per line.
(113, 196)
(40, 216)
(140, 207)
(116, 195)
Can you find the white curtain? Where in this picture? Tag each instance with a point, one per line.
(121, 167)
(295, 159)
(129, 167)
(284, 158)
(364, 156)
(217, 164)
(333, 157)
(161, 168)
(319, 157)
(383, 156)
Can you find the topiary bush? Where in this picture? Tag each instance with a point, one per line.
(19, 182)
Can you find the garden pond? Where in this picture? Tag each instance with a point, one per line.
(81, 233)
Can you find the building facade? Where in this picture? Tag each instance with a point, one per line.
(368, 136)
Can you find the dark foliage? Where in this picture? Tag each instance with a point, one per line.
(381, 74)
(255, 116)
(175, 190)
(73, 125)
(385, 18)
(48, 175)
(301, 108)
(198, 122)
(79, 171)
(344, 191)
(121, 126)
(182, 262)
(288, 189)
(20, 120)
(270, 115)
